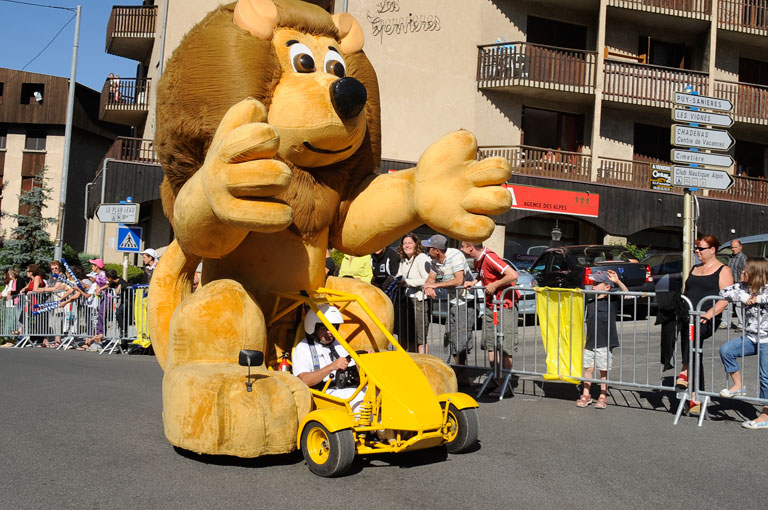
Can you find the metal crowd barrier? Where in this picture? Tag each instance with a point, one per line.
(707, 356)
(121, 319)
(636, 361)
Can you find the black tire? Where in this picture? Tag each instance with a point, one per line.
(327, 454)
(465, 426)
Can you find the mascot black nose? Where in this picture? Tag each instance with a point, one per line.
(348, 96)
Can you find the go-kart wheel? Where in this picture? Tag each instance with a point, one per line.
(463, 428)
(327, 453)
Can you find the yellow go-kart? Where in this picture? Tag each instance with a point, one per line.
(399, 410)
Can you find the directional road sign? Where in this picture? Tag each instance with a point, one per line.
(704, 178)
(701, 158)
(708, 103)
(129, 239)
(711, 119)
(715, 139)
(118, 213)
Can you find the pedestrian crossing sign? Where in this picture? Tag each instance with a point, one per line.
(129, 239)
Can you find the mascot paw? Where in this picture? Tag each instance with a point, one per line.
(240, 178)
(207, 409)
(441, 377)
(469, 189)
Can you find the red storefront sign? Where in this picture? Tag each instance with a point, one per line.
(532, 198)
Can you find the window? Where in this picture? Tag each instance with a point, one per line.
(553, 130)
(753, 71)
(556, 33)
(665, 54)
(35, 141)
(751, 159)
(3, 139)
(27, 184)
(652, 142)
(2, 88)
(32, 93)
(558, 263)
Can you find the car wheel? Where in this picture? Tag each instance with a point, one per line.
(462, 429)
(327, 454)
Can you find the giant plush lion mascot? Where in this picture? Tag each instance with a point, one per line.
(268, 133)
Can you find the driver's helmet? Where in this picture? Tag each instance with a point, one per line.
(331, 313)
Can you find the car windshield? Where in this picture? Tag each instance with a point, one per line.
(598, 254)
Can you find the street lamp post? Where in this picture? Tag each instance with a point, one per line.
(67, 142)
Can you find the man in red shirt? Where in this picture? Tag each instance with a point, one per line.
(496, 276)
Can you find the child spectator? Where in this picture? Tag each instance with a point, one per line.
(120, 292)
(751, 291)
(601, 336)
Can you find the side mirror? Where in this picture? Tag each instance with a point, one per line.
(250, 359)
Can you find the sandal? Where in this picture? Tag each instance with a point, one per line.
(601, 403)
(682, 381)
(583, 401)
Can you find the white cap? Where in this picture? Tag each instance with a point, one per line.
(151, 252)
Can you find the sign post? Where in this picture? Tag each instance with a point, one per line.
(118, 213)
(694, 137)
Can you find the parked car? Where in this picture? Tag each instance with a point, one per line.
(526, 304)
(573, 266)
(666, 273)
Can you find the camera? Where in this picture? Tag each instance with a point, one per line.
(347, 377)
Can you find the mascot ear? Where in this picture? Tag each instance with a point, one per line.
(350, 32)
(259, 17)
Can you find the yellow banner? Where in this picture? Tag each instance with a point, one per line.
(561, 316)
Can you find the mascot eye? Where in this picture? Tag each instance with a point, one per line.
(302, 60)
(334, 64)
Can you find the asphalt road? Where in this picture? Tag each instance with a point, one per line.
(79, 430)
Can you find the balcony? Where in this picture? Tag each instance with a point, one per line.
(572, 166)
(750, 102)
(520, 66)
(697, 9)
(138, 150)
(131, 31)
(648, 85)
(125, 100)
(129, 169)
(745, 189)
(746, 16)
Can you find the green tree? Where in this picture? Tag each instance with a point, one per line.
(29, 241)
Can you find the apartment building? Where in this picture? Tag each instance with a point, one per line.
(577, 94)
(33, 112)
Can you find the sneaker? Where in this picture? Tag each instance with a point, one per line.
(752, 424)
(726, 393)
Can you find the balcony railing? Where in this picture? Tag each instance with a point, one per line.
(535, 65)
(648, 85)
(743, 15)
(628, 174)
(124, 100)
(131, 31)
(745, 189)
(636, 174)
(701, 9)
(139, 150)
(750, 102)
(572, 166)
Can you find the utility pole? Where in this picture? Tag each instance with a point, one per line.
(67, 142)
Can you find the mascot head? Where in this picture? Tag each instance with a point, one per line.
(307, 68)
